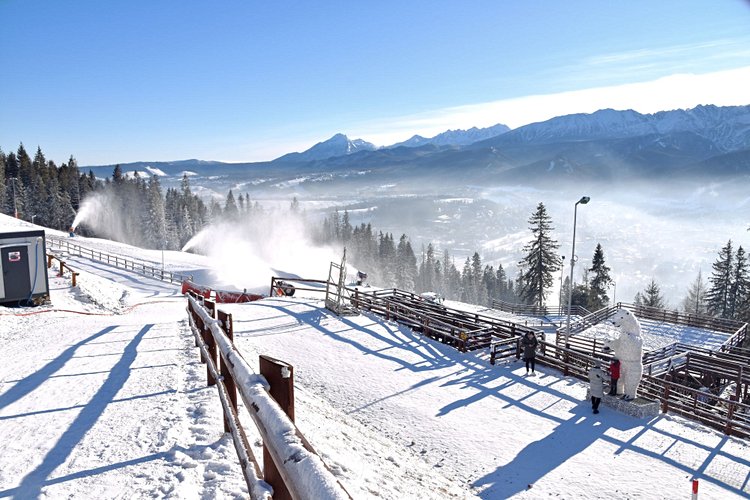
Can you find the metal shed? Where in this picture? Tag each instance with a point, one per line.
(23, 269)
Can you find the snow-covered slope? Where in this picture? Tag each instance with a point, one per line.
(112, 403)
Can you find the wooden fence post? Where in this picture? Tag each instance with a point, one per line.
(730, 414)
(665, 397)
(208, 339)
(227, 326)
(280, 377)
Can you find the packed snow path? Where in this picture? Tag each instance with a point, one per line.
(109, 406)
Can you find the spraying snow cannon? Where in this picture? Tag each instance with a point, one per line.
(72, 232)
(361, 278)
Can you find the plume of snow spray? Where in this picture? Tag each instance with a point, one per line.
(99, 212)
(246, 254)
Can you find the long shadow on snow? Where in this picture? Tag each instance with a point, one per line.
(416, 344)
(28, 384)
(195, 450)
(32, 484)
(580, 431)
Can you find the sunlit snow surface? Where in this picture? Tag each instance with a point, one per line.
(115, 405)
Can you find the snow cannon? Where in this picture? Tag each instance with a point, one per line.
(361, 278)
(72, 232)
(285, 289)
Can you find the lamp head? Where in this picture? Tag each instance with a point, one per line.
(584, 200)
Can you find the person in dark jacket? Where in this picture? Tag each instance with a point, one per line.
(596, 386)
(529, 344)
(614, 376)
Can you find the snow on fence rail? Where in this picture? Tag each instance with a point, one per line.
(294, 469)
(142, 268)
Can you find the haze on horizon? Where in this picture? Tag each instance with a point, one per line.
(250, 82)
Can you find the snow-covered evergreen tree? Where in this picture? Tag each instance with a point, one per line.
(541, 259)
(717, 298)
(599, 281)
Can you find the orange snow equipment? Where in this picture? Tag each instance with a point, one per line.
(189, 286)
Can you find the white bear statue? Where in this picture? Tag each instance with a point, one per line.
(628, 348)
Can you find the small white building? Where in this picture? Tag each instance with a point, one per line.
(23, 268)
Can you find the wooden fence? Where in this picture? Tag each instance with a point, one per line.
(534, 310)
(469, 330)
(128, 264)
(62, 268)
(285, 448)
(724, 413)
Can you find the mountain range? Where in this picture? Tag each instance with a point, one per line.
(605, 145)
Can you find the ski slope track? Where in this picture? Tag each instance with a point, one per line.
(102, 395)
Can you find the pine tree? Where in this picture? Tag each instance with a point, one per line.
(346, 228)
(541, 259)
(406, 265)
(599, 282)
(2, 181)
(695, 300)
(468, 285)
(652, 297)
(740, 285)
(156, 221)
(230, 207)
(717, 298)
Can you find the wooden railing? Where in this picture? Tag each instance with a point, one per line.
(129, 264)
(62, 267)
(534, 310)
(283, 443)
(724, 413)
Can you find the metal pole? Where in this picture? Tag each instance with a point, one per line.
(614, 293)
(562, 273)
(583, 200)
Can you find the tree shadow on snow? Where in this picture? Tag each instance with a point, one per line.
(31, 485)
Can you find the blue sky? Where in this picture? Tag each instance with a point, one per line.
(113, 82)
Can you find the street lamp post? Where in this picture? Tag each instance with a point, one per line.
(582, 201)
(562, 272)
(614, 293)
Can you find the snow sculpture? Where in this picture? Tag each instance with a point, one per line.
(628, 348)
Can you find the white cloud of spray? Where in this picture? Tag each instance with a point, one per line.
(100, 212)
(245, 254)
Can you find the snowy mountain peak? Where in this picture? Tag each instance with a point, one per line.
(338, 145)
(727, 127)
(456, 137)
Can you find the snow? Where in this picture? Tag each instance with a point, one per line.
(110, 402)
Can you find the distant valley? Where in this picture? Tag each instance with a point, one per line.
(667, 189)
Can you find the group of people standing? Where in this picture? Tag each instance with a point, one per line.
(597, 375)
(596, 382)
